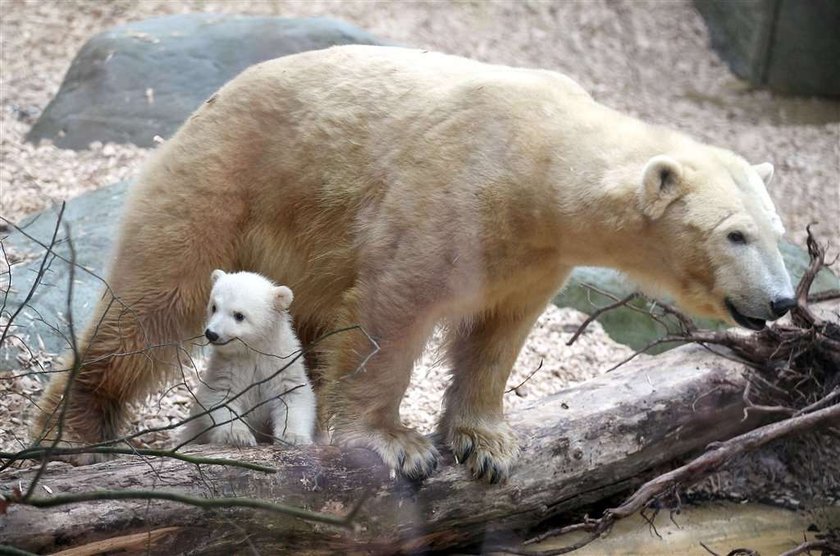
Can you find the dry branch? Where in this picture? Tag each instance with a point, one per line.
(826, 546)
(784, 358)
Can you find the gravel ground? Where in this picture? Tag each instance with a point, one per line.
(647, 58)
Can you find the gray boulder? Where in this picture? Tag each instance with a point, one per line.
(143, 79)
(91, 222)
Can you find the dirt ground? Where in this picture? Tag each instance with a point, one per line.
(647, 58)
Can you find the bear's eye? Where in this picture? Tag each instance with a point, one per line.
(213, 308)
(737, 238)
(239, 317)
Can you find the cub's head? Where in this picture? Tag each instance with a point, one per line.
(244, 310)
(718, 235)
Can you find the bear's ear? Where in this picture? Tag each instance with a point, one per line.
(662, 183)
(282, 297)
(215, 275)
(764, 171)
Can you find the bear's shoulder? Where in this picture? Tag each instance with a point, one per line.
(414, 65)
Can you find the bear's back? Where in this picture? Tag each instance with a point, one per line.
(350, 78)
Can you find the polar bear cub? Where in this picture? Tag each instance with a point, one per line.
(255, 387)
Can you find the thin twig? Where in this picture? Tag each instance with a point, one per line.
(77, 364)
(827, 546)
(826, 295)
(527, 378)
(12, 551)
(38, 452)
(38, 277)
(205, 503)
(598, 312)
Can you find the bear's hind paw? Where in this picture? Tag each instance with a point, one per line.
(404, 450)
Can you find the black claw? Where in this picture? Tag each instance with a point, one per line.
(467, 451)
(414, 475)
(422, 470)
(483, 468)
(434, 464)
(413, 478)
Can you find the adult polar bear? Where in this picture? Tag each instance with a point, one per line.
(394, 189)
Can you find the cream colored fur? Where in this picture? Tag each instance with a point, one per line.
(394, 189)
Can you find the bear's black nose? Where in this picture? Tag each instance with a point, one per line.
(781, 306)
(210, 335)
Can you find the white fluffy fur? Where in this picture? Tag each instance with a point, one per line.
(249, 393)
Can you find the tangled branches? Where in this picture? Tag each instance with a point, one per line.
(47, 450)
(795, 374)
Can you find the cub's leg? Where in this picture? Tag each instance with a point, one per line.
(482, 354)
(365, 384)
(218, 422)
(293, 414)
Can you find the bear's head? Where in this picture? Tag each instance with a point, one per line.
(244, 311)
(718, 235)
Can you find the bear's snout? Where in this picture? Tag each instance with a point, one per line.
(779, 307)
(210, 335)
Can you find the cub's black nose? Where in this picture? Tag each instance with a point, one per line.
(210, 335)
(781, 306)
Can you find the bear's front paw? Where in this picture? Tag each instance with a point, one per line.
(488, 452)
(234, 434)
(405, 450)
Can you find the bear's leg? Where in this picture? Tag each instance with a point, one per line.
(364, 387)
(98, 417)
(130, 347)
(482, 354)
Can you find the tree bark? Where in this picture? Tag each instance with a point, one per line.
(588, 442)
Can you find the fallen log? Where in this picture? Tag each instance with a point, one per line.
(586, 443)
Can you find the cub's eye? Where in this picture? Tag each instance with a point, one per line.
(239, 317)
(213, 308)
(737, 238)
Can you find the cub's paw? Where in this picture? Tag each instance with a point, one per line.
(294, 439)
(405, 450)
(488, 452)
(235, 434)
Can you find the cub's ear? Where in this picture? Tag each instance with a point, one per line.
(662, 183)
(764, 171)
(282, 297)
(215, 275)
